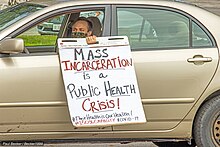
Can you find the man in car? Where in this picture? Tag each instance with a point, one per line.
(83, 28)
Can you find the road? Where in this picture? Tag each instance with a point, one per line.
(101, 144)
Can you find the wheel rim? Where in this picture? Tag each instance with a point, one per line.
(217, 130)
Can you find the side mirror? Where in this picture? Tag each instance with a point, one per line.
(15, 45)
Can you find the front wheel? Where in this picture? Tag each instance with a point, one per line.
(207, 124)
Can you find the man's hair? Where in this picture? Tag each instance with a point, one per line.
(90, 24)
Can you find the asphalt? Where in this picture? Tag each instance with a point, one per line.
(101, 144)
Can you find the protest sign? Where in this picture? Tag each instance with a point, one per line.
(100, 82)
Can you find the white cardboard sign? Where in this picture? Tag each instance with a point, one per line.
(100, 82)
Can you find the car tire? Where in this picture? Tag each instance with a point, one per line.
(174, 144)
(206, 127)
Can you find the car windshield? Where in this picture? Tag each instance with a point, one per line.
(13, 14)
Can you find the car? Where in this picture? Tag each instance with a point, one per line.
(50, 27)
(175, 49)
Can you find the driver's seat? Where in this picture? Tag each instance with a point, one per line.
(97, 26)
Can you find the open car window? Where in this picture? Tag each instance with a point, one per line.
(42, 37)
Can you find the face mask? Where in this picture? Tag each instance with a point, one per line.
(79, 35)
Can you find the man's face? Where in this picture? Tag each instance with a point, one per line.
(80, 29)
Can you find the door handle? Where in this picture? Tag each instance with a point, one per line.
(204, 59)
(198, 59)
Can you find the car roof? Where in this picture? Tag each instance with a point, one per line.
(106, 2)
(172, 4)
(167, 3)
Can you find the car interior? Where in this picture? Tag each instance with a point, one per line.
(97, 26)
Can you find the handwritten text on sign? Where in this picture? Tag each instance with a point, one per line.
(100, 82)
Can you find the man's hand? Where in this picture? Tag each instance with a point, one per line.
(91, 39)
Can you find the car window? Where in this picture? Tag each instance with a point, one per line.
(153, 28)
(200, 38)
(138, 29)
(43, 34)
(160, 28)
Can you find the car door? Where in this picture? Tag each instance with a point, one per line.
(32, 92)
(175, 59)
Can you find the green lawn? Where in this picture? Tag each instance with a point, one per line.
(38, 40)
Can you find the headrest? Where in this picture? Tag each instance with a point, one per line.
(177, 27)
(97, 26)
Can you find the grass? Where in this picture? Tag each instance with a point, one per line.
(39, 40)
